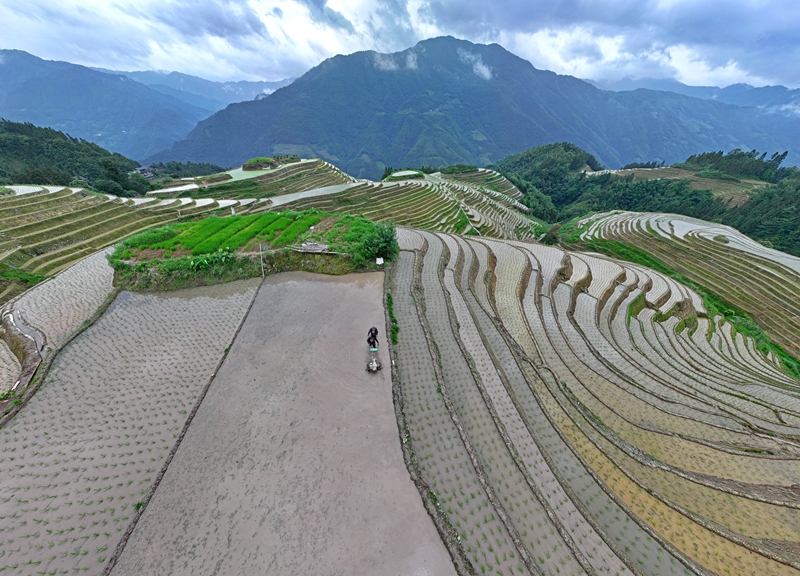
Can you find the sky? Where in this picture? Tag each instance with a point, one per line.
(697, 42)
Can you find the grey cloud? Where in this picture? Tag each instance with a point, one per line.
(763, 37)
(388, 25)
(320, 12)
(228, 19)
(585, 49)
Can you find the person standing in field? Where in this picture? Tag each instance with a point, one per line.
(372, 337)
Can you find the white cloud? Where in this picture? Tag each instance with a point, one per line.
(384, 62)
(790, 109)
(691, 68)
(411, 60)
(478, 67)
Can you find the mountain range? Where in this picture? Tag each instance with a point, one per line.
(448, 101)
(776, 99)
(202, 93)
(134, 113)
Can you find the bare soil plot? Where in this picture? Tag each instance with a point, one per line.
(79, 456)
(292, 464)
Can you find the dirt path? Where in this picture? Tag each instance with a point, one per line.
(292, 464)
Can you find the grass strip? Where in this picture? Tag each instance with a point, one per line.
(242, 237)
(395, 328)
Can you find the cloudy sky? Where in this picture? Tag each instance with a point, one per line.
(699, 42)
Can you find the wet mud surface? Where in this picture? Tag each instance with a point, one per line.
(84, 451)
(293, 465)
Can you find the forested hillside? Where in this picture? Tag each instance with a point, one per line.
(33, 155)
(111, 110)
(557, 189)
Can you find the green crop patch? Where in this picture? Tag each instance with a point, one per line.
(218, 250)
(27, 278)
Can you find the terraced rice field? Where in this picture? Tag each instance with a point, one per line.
(9, 368)
(46, 229)
(59, 306)
(85, 450)
(757, 279)
(566, 427)
(432, 204)
(292, 178)
(566, 413)
(292, 465)
(487, 179)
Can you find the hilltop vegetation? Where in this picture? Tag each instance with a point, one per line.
(33, 155)
(178, 170)
(740, 164)
(556, 190)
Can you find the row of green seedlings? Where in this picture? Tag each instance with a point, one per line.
(227, 234)
(395, 327)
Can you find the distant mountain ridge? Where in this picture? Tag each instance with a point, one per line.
(134, 113)
(777, 99)
(448, 101)
(112, 111)
(206, 94)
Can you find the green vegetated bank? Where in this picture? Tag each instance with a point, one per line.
(217, 250)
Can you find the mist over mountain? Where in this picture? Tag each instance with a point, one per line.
(110, 110)
(775, 99)
(448, 101)
(206, 94)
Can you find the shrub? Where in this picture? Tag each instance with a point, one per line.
(380, 242)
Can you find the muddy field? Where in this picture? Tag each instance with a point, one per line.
(292, 464)
(61, 305)
(85, 450)
(9, 368)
